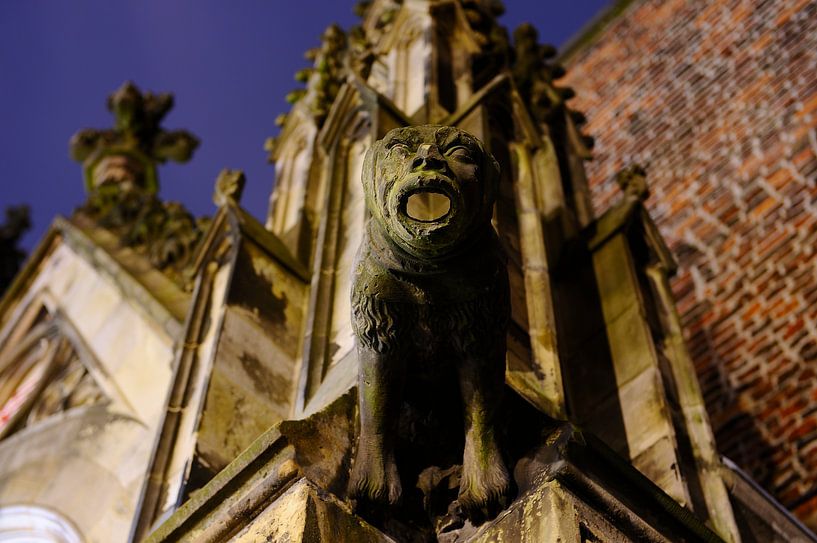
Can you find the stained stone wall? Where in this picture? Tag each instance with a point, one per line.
(718, 99)
(85, 461)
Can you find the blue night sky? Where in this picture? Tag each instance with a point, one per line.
(229, 64)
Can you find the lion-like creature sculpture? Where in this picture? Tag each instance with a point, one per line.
(430, 289)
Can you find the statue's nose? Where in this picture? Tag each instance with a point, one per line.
(428, 156)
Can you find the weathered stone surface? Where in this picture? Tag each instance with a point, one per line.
(599, 344)
(536, 257)
(122, 185)
(85, 464)
(760, 519)
(111, 313)
(430, 291)
(306, 514)
(229, 187)
(238, 362)
(317, 448)
(251, 386)
(660, 404)
(606, 496)
(548, 514)
(87, 443)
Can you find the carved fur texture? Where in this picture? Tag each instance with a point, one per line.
(430, 289)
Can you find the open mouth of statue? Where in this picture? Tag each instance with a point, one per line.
(428, 205)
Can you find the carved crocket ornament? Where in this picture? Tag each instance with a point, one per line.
(430, 283)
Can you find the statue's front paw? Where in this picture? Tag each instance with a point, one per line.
(484, 488)
(375, 479)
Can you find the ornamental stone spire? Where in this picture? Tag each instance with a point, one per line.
(127, 154)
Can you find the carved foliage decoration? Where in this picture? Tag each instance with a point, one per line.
(492, 37)
(323, 80)
(329, 73)
(535, 76)
(165, 232)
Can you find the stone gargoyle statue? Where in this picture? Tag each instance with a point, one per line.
(430, 288)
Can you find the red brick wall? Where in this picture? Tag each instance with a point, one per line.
(718, 99)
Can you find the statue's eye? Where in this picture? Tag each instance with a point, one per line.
(399, 150)
(460, 153)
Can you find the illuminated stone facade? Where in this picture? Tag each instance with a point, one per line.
(196, 379)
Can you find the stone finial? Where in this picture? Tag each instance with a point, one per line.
(633, 182)
(126, 155)
(229, 187)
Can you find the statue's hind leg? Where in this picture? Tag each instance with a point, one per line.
(485, 482)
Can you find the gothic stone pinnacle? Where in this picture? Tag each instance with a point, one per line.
(126, 155)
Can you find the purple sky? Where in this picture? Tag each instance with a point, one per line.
(229, 69)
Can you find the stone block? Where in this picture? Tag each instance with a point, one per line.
(660, 464)
(306, 514)
(549, 513)
(615, 277)
(631, 345)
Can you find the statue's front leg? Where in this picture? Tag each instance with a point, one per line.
(380, 380)
(485, 481)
